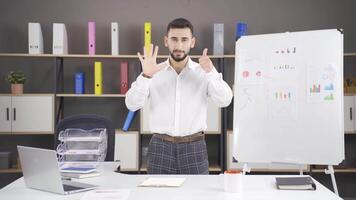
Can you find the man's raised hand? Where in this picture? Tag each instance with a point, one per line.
(205, 62)
(148, 62)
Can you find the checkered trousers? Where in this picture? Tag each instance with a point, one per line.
(165, 157)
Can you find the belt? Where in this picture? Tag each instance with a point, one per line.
(181, 139)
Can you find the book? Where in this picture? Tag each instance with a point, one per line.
(148, 37)
(81, 170)
(241, 30)
(218, 49)
(129, 118)
(91, 38)
(79, 175)
(295, 183)
(60, 39)
(98, 76)
(114, 38)
(35, 38)
(79, 83)
(124, 86)
(162, 182)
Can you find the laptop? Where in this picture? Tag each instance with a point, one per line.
(41, 171)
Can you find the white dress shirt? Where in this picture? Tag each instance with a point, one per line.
(178, 102)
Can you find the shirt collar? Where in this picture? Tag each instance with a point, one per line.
(190, 64)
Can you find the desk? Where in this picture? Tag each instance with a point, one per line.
(196, 187)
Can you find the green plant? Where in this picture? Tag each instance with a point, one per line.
(16, 77)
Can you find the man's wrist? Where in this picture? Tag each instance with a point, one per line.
(146, 76)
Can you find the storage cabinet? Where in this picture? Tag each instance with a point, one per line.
(126, 150)
(27, 113)
(349, 113)
(5, 114)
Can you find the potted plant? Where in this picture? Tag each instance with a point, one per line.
(16, 79)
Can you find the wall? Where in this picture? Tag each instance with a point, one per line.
(267, 16)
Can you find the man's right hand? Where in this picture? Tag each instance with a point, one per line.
(148, 62)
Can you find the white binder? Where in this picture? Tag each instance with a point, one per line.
(114, 38)
(218, 39)
(60, 40)
(35, 38)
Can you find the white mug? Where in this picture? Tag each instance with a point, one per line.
(232, 181)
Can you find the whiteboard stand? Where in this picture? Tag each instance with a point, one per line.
(245, 169)
(301, 170)
(331, 171)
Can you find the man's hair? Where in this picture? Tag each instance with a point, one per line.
(180, 23)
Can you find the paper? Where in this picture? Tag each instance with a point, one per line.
(321, 83)
(283, 62)
(251, 65)
(162, 182)
(282, 102)
(114, 194)
(246, 98)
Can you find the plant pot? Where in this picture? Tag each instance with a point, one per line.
(16, 89)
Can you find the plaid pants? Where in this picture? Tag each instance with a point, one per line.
(165, 157)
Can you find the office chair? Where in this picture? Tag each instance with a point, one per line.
(87, 122)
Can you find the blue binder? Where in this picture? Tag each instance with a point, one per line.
(129, 118)
(79, 83)
(241, 30)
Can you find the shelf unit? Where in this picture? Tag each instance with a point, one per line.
(348, 170)
(91, 95)
(58, 89)
(59, 96)
(212, 168)
(11, 170)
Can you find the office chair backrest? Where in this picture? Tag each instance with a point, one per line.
(87, 122)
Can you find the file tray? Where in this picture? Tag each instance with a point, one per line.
(76, 134)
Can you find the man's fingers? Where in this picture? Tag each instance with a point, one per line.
(155, 52)
(140, 57)
(151, 50)
(205, 52)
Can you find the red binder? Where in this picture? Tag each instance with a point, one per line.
(124, 81)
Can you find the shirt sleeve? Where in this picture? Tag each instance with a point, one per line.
(138, 93)
(218, 90)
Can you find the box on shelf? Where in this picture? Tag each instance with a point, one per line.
(350, 85)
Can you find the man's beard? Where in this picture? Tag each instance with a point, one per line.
(179, 59)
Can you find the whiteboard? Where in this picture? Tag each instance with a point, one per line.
(288, 105)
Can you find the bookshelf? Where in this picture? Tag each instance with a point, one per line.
(91, 95)
(220, 166)
(61, 96)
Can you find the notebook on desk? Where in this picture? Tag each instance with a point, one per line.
(295, 183)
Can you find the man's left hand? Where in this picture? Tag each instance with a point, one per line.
(205, 62)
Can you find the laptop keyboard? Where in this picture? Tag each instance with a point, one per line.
(71, 188)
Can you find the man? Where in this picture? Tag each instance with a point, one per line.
(178, 90)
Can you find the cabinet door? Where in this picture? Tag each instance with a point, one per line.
(213, 120)
(126, 150)
(349, 113)
(144, 118)
(32, 113)
(5, 113)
